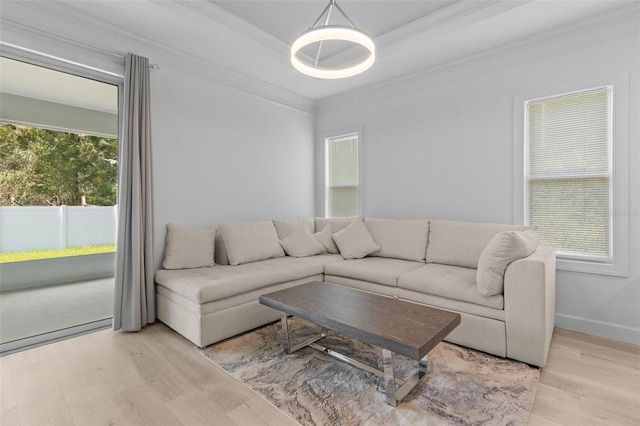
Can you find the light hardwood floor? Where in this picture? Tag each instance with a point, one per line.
(156, 377)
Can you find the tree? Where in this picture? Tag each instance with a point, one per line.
(47, 167)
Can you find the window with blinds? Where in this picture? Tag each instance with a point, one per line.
(569, 173)
(341, 195)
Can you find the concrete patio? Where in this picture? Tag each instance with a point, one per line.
(70, 308)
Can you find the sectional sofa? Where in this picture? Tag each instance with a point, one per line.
(500, 280)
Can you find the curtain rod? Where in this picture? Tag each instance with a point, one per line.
(56, 58)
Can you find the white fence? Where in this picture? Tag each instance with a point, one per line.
(41, 228)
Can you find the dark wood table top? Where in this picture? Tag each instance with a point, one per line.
(403, 327)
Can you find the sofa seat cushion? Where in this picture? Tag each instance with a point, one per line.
(231, 301)
(204, 285)
(460, 243)
(378, 270)
(452, 282)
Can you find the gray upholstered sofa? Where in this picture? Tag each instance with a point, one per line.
(496, 276)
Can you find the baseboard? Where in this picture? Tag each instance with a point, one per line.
(599, 328)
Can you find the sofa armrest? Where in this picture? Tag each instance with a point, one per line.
(530, 306)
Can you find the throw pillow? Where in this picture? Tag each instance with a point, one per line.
(301, 243)
(250, 241)
(355, 241)
(325, 237)
(504, 248)
(188, 247)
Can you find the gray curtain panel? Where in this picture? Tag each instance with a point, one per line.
(134, 296)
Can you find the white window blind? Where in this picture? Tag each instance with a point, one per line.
(568, 172)
(341, 198)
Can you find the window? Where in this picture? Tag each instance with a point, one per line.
(342, 189)
(568, 179)
(571, 174)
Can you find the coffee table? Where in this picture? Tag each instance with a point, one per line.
(396, 326)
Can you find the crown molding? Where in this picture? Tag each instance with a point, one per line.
(618, 16)
(213, 71)
(454, 15)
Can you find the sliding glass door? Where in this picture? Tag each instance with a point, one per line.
(58, 213)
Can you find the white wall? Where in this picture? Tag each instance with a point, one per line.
(223, 155)
(440, 145)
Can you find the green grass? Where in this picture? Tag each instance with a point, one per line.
(20, 256)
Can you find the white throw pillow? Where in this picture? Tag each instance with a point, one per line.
(504, 248)
(325, 237)
(301, 243)
(188, 247)
(355, 241)
(250, 241)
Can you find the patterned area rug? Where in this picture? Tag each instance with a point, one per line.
(463, 386)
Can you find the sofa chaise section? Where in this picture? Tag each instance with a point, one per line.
(210, 304)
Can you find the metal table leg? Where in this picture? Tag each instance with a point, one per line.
(287, 343)
(394, 397)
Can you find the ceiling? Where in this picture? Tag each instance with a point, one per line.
(285, 20)
(248, 40)
(31, 81)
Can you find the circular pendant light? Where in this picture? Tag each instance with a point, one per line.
(326, 32)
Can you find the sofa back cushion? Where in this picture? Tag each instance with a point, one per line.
(284, 228)
(461, 243)
(250, 241)
(400, 238)
(337, 223)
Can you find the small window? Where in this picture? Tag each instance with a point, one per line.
(568, 172)
(341, 176)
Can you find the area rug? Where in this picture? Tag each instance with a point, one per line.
(462, 386)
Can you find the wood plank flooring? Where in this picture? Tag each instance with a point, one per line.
(156, 377)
